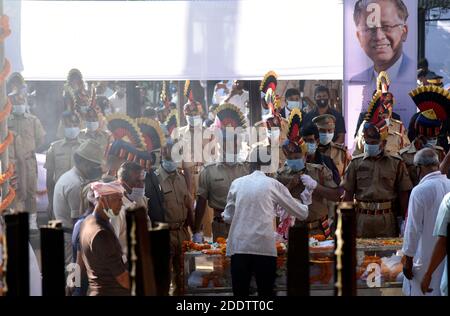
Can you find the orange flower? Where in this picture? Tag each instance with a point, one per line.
(221, 240)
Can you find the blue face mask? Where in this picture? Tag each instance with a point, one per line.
(372, 150)
(325, 138)
(431, 142)
(295, 164)
(92, 126)
(169, 165)
(84, 109)
(19, 109)
(71, 132)
(312, 147)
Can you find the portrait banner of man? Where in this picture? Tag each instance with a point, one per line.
(379, 35)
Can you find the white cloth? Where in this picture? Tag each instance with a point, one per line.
(419, 241)
(240, 101)
(219, 94)
(67, 197)
(119, 105)
(251, 208)
(119, 223)
(440, 229)
(41, 195)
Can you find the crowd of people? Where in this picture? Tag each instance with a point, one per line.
(106, 162)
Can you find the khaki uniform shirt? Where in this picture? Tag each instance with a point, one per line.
(320, 206)
(379, 179)
(60, 157)
(408, 154)
(397, 138)
(215, 182)
(176, 194)
(28, 135)
(339, 154)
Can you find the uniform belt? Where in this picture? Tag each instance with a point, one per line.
(374, 206)
(176, 225)
(374, 212)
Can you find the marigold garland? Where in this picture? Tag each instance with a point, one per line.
(8, 140)
(4, 24)
(8, 174)
(6, 110)
(8, 199)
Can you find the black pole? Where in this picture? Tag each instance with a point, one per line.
(254, 101)
(52, 259)
(345, 254)
(160, 253)
(421, 33)
(17, 267)
(298, 261)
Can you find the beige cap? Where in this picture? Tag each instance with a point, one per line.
(90, 150)
(326, 121)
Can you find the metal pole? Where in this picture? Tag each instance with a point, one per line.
(298, 261)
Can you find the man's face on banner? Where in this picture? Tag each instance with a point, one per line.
(382, 44)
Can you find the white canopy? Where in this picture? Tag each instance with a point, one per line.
(160, 40)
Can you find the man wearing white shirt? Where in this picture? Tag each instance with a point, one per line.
(221, 91)
(238, 96)
(251, 210)
(440, 249)
(423, 208)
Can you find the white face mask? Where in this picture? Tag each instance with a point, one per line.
(71, 132)
(273, 134)
(293, 105)
(109, 212)
(194, 120)
(265, 113)
(211, 116)
(137, 194)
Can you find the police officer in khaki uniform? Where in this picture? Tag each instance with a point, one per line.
(397, 138)
(178, 211)
(191, 137)
(427, 128)
(376, 179)
(381, 105)
(28, 135)
(314, 177)
(338, 153)
(214, 183)
(59, 158)
(94, 132)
